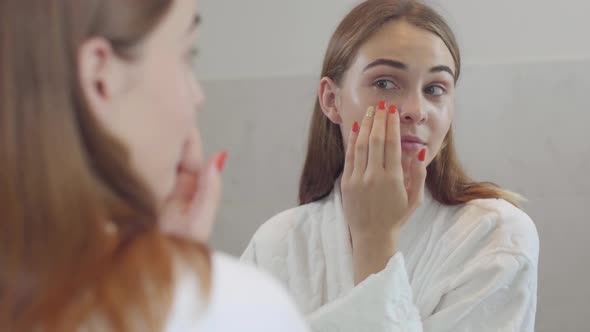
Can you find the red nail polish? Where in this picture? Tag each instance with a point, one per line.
(220, 162)
(355, 127)
(422, 155)
(392, 109)
(382, 105)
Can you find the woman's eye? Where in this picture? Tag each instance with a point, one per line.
(385, 84)
(435, 90)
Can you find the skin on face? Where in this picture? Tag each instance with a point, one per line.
(150, 103)
(403, 65)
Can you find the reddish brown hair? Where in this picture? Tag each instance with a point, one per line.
(63, 177)
(446, 180)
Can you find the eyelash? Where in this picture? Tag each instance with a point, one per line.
(377, 83)
(444, 91)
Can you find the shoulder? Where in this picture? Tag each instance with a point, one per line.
(245, 283)
(495, 225)
(240, 298)
(300, 220)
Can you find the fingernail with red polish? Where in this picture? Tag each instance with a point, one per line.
(392, 109)
(422, 155)
(355, 127)
(382, 105)
(220, 162)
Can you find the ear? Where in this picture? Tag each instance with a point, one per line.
(100, 75)
(329, 98)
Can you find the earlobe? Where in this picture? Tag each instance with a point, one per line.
(329, 98)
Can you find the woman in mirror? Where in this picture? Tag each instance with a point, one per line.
(391, 234)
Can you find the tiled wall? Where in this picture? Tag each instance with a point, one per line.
(523, 126)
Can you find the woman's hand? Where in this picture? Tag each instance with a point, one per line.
(375, 199)
(191, 209)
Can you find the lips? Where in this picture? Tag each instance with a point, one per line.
(411, 143)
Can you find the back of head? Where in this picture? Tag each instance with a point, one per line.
(65, 182)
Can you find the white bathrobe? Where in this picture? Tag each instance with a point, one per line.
(471, 267)
(242, 299)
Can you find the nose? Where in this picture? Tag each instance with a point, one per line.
(412, 110)
(196, 91)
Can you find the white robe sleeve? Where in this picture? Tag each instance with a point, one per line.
(382, 302)
(496, 293)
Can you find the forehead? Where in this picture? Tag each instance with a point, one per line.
(407, 43)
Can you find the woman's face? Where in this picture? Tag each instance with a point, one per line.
(150, 103)
(406, 66)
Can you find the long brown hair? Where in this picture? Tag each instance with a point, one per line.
(446, 179)
(62, 265)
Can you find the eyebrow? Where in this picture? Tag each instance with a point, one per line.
(400, 65)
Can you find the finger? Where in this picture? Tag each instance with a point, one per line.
(393, 149)
(191, 153)
(362, 142)
(172, 218)
(417, 180)
(407, 162)
(206, 201)
(377, 139)
(349, 158)
(184, 189)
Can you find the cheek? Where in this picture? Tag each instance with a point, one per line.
(163, 124)
(173, 111)
(439, 124)
(442, 120)
(354, 103)
(173, 92)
